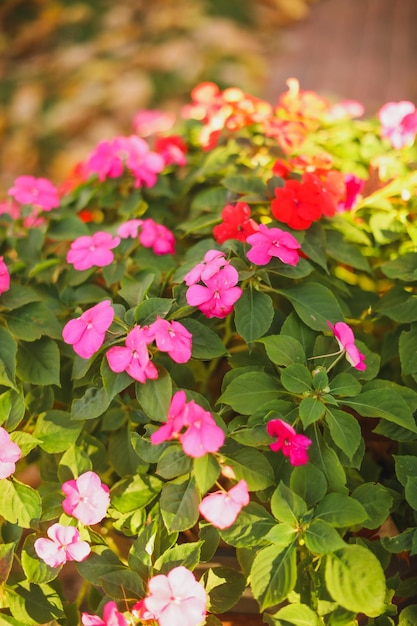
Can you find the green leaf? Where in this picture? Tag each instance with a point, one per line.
(355, 579)
(411, 492)
(250, 528)
(377, 502)
(340, 510)
(33, 320)
(309, 483)
(296, 378)
(55, 431)
(282, 535)
(12, 408)
(19, 503)
(173, 462)
(401, 268)
(327, 461)
(287, 506)
(345, 384)
(408, 616)
(408, 351)
(100, 562)
(314, 304)
(155, 396)
(298, 615)
(273, 575)
(121, 454)
(36, 570)
(311, 410)
(398, 305)
(150, 309)
(254, 313)
(224, 586)
(134, 492)
(385, 403)
(399, 543)
(33, 604)
(245, 184)
(283, 350)
(206, 472)
(92, 404)
(344, 430)
(206, 344)
(38, 362)
(122, 584)
(8, 349)
(248, 392)
(186, 554)
(6, 560)
(113, 382)
(345, 252)
(405, 466)
(73, 463)
(321, 538)
(179, 505)
(250, 465)
(25, 441)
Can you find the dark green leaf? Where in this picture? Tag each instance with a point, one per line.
(254, 313)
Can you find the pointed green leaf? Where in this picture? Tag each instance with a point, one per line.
(283, 350)
(377, 502)
(206, 344)
(340, 510)
(321, 538)
(206, 472)
(311, 410)
(314, 304)
(55, 431)
(298, 615)
(19, 503)
(309, 483)
(248, 392)
(296, 378)
(224, 586)
(38, 362)
(385, 403)
(287, 506)
(179, 505)
(155, 396)
(254, 313)
(344, 430)
(8, 349)
(273, 575)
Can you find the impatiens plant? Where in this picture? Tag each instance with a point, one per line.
(208, 340)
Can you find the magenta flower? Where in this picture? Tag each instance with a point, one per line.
(144, 164)
(346, 340)
(292, 445)
(38, 191)
(195, 428)
(354, 187)
(172, 149)
(398, 123)
(157, 237)
(213, 261)
(129, 229)
(64, 544)
(172, 337)
(272, 242)
(107, 159)
(221, 509)
(217, 297)
(10, 453)
(177, 599)
(4, 277)
(133, 358)
(86, 333)
(86, 498)
(111, 617)
(89, 251)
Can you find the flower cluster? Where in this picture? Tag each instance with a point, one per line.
(218, 293)
(194, 427)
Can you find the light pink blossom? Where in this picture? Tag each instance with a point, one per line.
(213, 261)
(4, 277)
(151, 121)
(217, 297)
(172, 337)
(346, 340)
(38, 191)
(64, 544)
(144, 164)
(157, 237)
(398, 123)
(86, 333)
(86, 498)
(272, 242)
(89, 251)
(133, 357)
(346, 109)
(111, 617)
(222, 508)
(129, 229)
(293, 446)
(107, 159)
(195, 428)
(10, 453)
(9, 207)
(176, 599)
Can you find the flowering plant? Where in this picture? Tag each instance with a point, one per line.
(208, 339)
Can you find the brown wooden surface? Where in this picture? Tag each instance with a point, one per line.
(356, 49)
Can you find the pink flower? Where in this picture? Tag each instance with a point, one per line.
(213, 261)
(86, 333)
(292, 445)
(195, 428)
(346, 340)
(9, 207)
(272, 242)
(129, 229)
(86, 498)
(398, 123)
(38, 191)
(157, 237)
(107, 159)
(172, 337)
(87, 252)
(4, 277)
(176, 599)
(221, 509)
(111, 617)
(144, 165)
(345, 109)
(10, 453)
(354, 186)
(172, 149)
(151, 121)
(64, 544)
(133, 358)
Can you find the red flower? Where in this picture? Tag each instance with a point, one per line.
(237, 223)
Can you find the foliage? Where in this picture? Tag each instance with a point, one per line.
(271, 375)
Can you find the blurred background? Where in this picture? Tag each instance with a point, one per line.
(73, 72)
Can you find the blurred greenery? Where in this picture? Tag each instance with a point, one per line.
(75, 71)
